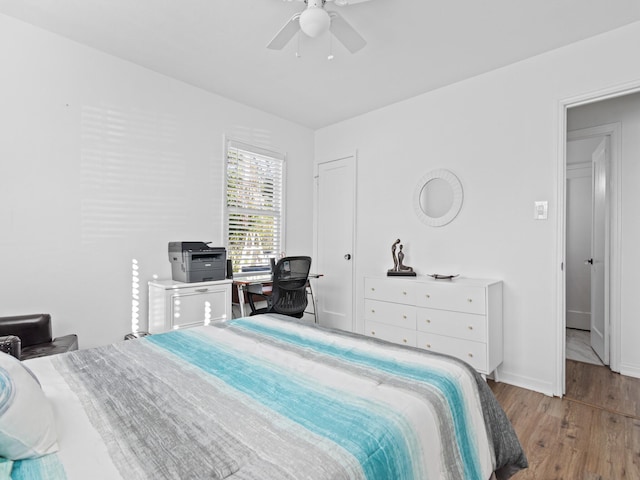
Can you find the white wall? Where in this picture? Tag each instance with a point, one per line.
(102, 162)
(625, 110)
(499, 133)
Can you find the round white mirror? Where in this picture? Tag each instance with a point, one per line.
(438, 197)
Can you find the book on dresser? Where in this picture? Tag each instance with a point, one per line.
(460, 317)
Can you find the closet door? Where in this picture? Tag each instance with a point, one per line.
(335, 245)
(578, 234)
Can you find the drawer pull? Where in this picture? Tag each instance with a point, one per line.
(202, 290)
(428, 321)
(373, 289)
(470, 327)
(428, 345)
(404, 317)
(373, 332)
(404, 293)
(373, 310)
(404, 340)
(428, 296)
(469, 300)
(471, 355)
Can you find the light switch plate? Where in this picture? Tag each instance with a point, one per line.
(540, 210)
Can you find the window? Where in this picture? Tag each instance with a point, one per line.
(254, 206)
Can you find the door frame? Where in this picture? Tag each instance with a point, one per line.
(354, 254)
(615, 225)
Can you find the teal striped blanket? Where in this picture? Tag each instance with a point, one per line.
(267, 398)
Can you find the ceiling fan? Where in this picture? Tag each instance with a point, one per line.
(315, 20)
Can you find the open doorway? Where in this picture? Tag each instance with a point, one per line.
(587, 247)
(612, 115)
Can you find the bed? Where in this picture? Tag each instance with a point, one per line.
(267, 397)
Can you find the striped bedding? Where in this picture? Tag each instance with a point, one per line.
(272, 398)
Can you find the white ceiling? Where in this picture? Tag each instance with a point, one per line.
(413, 45)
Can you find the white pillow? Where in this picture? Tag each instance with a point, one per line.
(27, 424)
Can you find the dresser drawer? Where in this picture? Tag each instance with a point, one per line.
(467, 326)
(390, 333)
(390, 313)
(459, 298)
(193, 307)
(389, 290)
(174, 305)
(474, 353)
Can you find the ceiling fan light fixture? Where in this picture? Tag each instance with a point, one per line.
(314, 21)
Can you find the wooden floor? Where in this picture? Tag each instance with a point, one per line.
(593, 433)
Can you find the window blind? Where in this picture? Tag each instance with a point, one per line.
(254, 189)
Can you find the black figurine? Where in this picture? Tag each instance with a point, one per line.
(399, 269)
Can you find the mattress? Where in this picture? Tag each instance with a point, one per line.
(268, 397)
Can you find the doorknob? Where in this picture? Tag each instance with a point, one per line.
(590, 261)
(347, 256)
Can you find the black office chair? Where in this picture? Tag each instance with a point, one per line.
(29, 336)
(288, 291)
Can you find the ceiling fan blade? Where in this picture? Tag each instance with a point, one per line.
(285, 34)
(345, 33)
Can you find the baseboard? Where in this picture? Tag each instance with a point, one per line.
(528, 383)
(579, 320)
(630, 370)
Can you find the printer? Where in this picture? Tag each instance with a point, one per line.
(196, 262)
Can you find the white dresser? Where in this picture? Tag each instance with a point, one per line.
(174, 305)
(460, 317)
